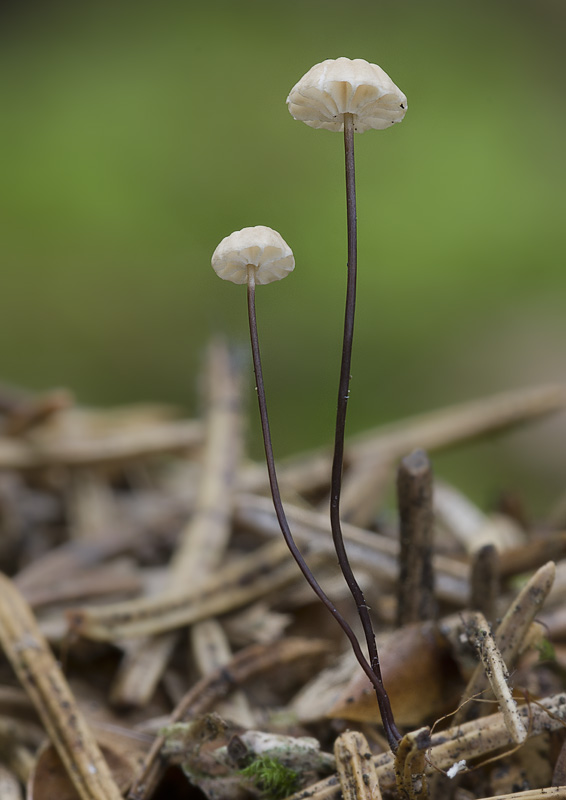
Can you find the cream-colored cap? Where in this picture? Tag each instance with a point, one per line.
(345, 86)
(260, 247)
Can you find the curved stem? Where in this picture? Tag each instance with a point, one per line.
(338, 459)
(391, 732)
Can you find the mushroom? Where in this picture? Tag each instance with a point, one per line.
(259, 252)
(342, 86)
(349, 95)
(260, 255)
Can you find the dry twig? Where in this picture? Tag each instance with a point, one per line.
(204, 539)
(356, 771)
(415, 590)
(485, 583)
(431, 431)
(497, 675)
(512, 630)
(42, 679)
(117, 448)
(240, 582)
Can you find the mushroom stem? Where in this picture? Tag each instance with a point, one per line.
(338, 458)
(393, 735)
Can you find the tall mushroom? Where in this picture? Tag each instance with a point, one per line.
(259, 255)
(349, 95)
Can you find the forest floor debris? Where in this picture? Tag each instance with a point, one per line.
(159, 641)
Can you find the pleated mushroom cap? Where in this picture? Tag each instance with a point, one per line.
(344, 86)
(260, 247)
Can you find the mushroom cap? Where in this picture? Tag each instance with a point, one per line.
(260, 247)
(344, 86)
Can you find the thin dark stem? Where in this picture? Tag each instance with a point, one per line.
(338, 459)
(391, 732)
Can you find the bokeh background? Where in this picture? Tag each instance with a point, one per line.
(135, 135)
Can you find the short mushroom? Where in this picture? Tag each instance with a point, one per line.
(349, 95)
(259, 251)
(260, 255)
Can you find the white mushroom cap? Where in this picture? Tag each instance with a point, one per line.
(259, 247)
(344, 86)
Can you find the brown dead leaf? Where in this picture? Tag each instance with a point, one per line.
(416, 695)
(50, 780)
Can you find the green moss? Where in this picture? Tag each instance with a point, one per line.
(546, 651)
(271, 777)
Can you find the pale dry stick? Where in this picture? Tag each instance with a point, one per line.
(333, 583)
(117, 448)
(114, 579)
(135, 532)
(9, 785)
(468, 741)
(139, 671)
(469, 525)
(532, 554)
(257, 624)
(362, 488)
(485, 583)
(321, 693)
(558, 593)
(456, 424)
(90, 505)
(73, 557)
(246, 664)
(415, 594)
(533, 794)
(356, 772)
(40, 676)
(512, 630)
(554, 621)
(212, 651)
(28, 412)
(368, 550)
(243, 580)
(497, 675)
(253, 512)
(205, 537)
(432, 431)
(410, 765)
(378, 462)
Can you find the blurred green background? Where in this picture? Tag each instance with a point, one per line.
(136, 135)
